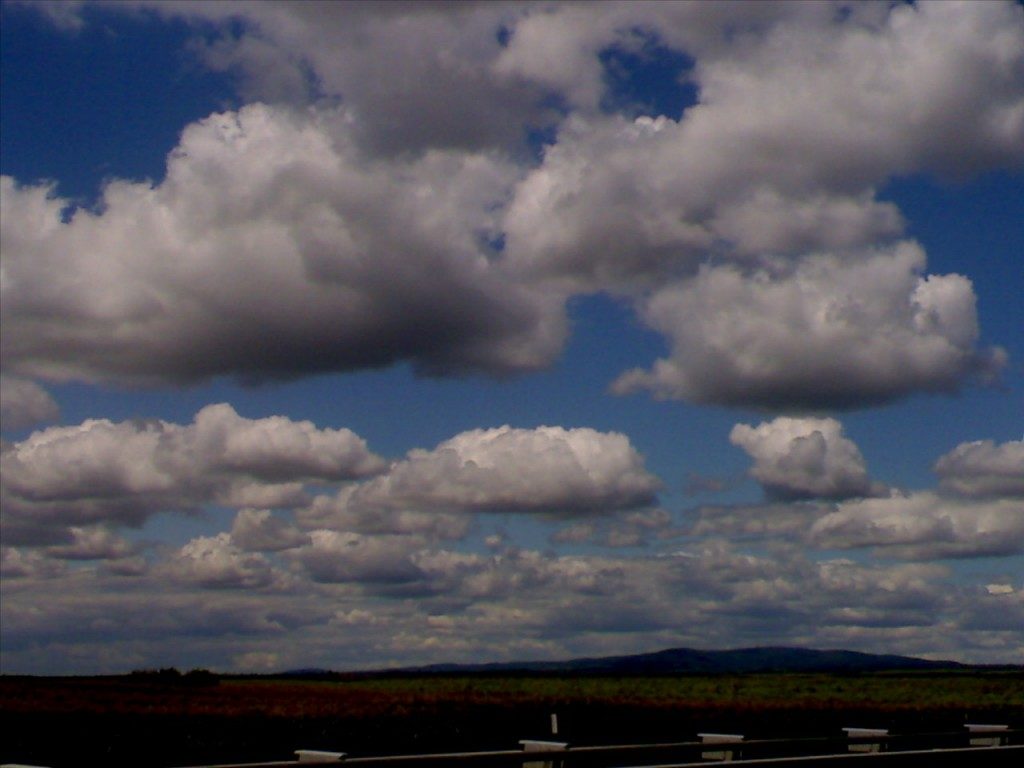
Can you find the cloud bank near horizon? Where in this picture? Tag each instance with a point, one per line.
(389, 534)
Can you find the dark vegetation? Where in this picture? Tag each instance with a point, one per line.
(166, 718)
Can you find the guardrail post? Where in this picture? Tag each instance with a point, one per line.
(318, 756)
(536, 745)
(860, 739)
(994, 737)
(725, 754)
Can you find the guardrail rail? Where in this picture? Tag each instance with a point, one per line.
(991, 744)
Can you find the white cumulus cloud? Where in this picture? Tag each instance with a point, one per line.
(984, 469)
(408, 224)
(215, 562)
(272, 249)
(830, 332)
(924, 525)
(804, 458)
(550, 470)
(122, 472)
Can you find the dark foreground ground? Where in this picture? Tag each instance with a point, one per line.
(153, 720)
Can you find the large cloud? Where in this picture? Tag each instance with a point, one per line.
(934, 86)
(925, 526)
(871, 87)
(984, 469)
(106, 472)
(667, 203)
(398, 226)
(549, 470)
(804, 458)
(797, 123)
(272, 249)
(103, 473)
(831, 332)
(465, 74)
(415, 75)
(552, 472)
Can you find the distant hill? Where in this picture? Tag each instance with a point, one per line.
(689, 660)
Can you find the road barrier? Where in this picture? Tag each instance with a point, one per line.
(992, 745)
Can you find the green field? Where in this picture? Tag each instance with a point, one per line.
(209, 719)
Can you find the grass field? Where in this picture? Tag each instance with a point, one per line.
(65, 721)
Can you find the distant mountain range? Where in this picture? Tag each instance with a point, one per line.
(689, 660)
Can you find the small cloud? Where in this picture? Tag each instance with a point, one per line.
(805, 458)
(999, 589)
(24, 403)
(983, 469)
(214, 562)
(700, 484)
(578, 533)
(65, 15)
(259, 530)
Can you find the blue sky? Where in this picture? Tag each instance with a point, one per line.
(352, 336)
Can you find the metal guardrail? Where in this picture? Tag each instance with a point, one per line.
(995, 745)
(927, 758)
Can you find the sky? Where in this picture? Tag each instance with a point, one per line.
(362, 335)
